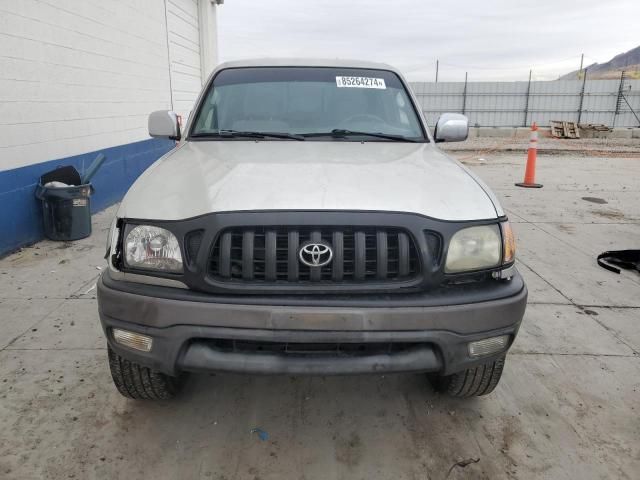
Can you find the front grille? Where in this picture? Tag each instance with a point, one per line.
(270, 254)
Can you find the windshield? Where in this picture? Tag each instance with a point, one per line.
(343, 104)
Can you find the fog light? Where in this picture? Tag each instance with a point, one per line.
(488, 346)
(132, 340)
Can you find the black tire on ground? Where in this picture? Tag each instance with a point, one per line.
(472, 382)
(141, 383)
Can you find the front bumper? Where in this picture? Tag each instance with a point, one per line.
(185, 326)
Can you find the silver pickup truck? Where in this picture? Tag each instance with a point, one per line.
(307, 223)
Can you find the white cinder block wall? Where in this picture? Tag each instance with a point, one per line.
(79, 77)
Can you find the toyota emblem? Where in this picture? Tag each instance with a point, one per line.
(315, 254)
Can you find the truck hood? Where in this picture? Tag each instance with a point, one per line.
(220, 176)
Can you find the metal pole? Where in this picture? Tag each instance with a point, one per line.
(584, 80)
(526, 102)
(618, 99)
(464, 94)
(581, 62)
(437, 68)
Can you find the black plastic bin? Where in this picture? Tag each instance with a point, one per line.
(66, 211)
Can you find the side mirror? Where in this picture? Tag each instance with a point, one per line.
(164, 124)
(452, 127)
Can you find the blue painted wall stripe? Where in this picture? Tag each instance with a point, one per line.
(21, 212)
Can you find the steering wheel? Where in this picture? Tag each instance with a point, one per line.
(362, 117)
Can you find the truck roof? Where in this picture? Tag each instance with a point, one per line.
(305, 62)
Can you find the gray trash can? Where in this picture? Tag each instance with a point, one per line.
(66, 210)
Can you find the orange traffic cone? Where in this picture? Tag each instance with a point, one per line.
(532, 154)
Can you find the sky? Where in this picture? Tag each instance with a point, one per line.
(490, 39)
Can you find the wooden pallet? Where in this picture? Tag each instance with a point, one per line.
(571, 130)
(557, 130)
(560, 129)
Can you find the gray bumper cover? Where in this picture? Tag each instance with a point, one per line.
(180, 329)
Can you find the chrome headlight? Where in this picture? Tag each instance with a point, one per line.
(152, 248)
(474, 248)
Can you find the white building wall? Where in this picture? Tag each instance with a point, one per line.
(82, 75)
(78, 77)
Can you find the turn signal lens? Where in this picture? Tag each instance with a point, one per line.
(508, 243)
(488, 346)
(133, 340)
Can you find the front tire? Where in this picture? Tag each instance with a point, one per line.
(141, 383)
(472, 382)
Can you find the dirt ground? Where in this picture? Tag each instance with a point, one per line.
(567, 406)
(602, 147)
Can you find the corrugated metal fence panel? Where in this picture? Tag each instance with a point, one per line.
(492, 103)
(554, 101)
(436, 98)
(503, 104)
(631, 92)
(599, 103)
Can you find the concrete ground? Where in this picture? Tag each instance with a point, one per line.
(567, 407)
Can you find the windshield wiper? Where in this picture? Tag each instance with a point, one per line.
(340, 133)
(237, 133)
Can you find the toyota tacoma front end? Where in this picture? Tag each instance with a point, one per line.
(306, 223)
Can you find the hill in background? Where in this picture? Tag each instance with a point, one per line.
(628, 61)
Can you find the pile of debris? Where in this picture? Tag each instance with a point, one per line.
(596, 127)
(560, 129)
